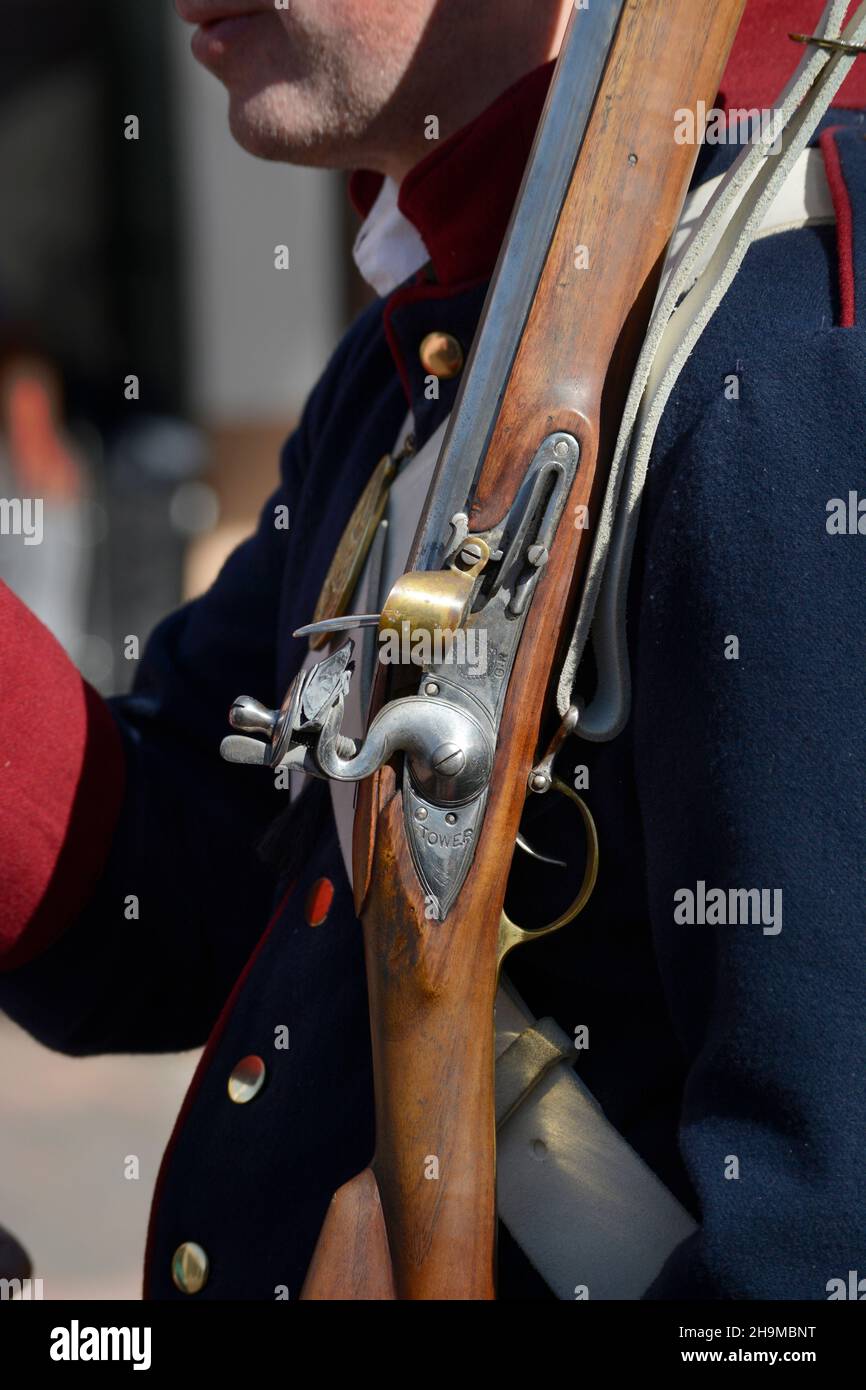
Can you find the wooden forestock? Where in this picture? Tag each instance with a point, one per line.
(432, 984)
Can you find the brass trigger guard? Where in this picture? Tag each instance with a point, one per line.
(510, 934)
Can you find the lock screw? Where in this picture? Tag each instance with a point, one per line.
(448, 759)
(471, 553)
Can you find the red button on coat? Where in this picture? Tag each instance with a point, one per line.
(319, 900)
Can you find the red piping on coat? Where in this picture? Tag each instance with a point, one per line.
(844, 226)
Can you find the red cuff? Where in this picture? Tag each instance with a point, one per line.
(61, 785)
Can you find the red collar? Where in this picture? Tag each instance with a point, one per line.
(460, 196)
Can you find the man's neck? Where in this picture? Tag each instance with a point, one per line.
(459, 71)
(458, 198)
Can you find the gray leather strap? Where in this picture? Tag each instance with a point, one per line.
(525, 1061)
(695, 281)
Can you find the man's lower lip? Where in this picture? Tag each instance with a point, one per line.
(214, 38)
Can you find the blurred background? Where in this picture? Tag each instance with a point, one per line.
(148, 377)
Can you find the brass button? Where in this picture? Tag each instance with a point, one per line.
(246, 1079)
(189, 1267)
(441, 355)
(319, 900)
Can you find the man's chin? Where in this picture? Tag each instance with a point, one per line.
(254, 134)
(277, 134)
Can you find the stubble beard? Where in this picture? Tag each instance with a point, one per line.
(288, 123)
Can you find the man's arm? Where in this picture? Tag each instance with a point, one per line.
(134, 892)
(104, 804)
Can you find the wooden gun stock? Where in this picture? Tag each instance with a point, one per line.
(421, 1222)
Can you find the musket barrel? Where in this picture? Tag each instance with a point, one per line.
(543, 191)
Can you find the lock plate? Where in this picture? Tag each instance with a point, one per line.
(481, 657)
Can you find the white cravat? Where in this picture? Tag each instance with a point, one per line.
(388, 248)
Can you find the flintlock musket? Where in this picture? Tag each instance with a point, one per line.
(447, 767)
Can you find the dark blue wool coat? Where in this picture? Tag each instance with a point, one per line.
(707, 1043)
